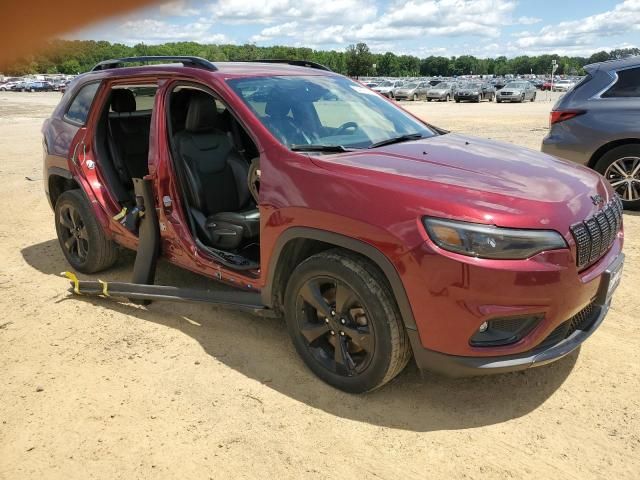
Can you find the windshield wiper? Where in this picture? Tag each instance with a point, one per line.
(318, 148)
(401, 138)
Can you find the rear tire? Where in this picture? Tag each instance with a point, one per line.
(344, 322)
(415, 97)
(82, 239)
(626, 159)
(533, 98)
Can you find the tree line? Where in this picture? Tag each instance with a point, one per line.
(77, 56)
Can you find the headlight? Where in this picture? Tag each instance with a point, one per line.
(488, 241)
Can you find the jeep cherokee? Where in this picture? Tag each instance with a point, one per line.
(377, 236)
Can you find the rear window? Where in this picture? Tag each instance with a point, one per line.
(79, 108)
(628, 85)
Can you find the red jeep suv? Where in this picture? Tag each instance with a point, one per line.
(377, 236)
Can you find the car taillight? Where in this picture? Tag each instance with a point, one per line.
(558, 116)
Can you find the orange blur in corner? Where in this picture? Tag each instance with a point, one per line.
(26, 25)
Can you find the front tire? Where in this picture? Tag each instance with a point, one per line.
(344, 322)
(621, 167)
(82, 239)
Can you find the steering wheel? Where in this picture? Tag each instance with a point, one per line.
(347, 126)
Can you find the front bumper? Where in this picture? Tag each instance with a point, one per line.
(548, 351)
(466, 96)
(509, 98)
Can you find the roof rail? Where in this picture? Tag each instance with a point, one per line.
(195, 62)
(297, 63)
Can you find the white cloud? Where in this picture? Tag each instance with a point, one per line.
(528, 20)
(178, 8)
(624, 18)
(158, 31)
(310, 11)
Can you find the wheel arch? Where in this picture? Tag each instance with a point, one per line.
(597, 155)
(59, 181)
(298, 243)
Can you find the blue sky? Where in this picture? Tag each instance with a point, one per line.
(485, 28)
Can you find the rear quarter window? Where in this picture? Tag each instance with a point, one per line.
(78, 110)
(627, 85)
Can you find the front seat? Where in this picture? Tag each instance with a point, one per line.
(216, 178)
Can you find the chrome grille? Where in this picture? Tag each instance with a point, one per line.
(595, 235)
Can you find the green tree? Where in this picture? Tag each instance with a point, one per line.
(358, 60)
(70, 67)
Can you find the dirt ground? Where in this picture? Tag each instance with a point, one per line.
(91, 388)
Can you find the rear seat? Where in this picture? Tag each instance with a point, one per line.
(128, 137)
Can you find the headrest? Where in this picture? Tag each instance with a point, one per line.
(123, 100)
(277, 106)
(202, 113)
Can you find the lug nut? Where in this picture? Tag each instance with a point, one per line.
(332, 332)
(342, 333)
(333, 313)
(343, 321)
(326, 320)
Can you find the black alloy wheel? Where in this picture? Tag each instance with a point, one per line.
(344, 322)
(334, 323)
(74, 236)
(82, 239)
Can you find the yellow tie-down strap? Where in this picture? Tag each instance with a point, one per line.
(76, 283)
(105, 288)
(121, 214)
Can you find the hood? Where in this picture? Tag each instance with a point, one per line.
(382, 89)
(479, 180)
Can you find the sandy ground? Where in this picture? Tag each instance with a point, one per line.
(91, 388)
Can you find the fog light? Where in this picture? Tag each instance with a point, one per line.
(504, 330)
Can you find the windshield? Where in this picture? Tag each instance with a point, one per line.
(516, 85)
(410, 85)
(324, 110)
(442, 86)
(471, 85)
(386, 84)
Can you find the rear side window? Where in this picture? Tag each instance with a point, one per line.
(628, 85)
(79, 108)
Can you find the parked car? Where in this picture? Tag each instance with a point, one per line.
(546, 85)
(596, 124)
(371, 84)
(39, 87)
(563, 85)
(443, 91)
(412, 91)
(388, 88)
(498, 83)
(20, 86)
(537, 83)
(8, 86)
(474, 92)
(518, 91)
(375, 235)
